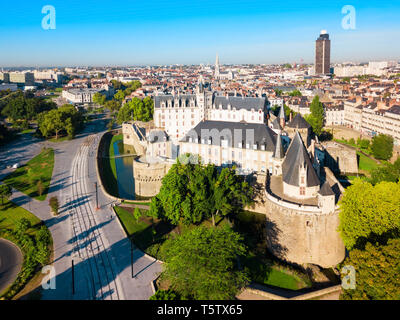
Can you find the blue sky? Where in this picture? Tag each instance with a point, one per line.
(116, 32)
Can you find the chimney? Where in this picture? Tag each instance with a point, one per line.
(290, 117)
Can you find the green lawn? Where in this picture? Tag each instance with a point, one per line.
(250, 224)
(10, 214)
(365, 163)
(112, 154)
(129, 223)
(277, 276)
(138, 203)
(25, 178)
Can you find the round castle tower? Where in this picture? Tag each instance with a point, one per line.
(302, 215)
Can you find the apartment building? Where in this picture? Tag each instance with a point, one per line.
(353, 114)
(378, 121)
(81, 95)
(25, 78)
(334, 115)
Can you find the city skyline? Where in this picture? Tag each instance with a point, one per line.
(166, 33)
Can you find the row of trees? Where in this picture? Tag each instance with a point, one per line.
(370, 229)
(191, 193)
(136, 109)
(25, 107)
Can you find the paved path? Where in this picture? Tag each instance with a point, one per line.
(10, 263)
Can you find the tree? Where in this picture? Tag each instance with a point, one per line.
(369, 213)
(112, 105)
(382, 146)
(192, 192)
(202, 264)
(40, 187)
(99, 98)
(64, 119)
(316, 118)
(120, 96)
(377, 272)
(386, 172)
(5, 192)
(363, 143)
(136, 109)
(54, 205)
(295, 93)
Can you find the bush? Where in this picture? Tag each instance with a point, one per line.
(382, 147)
(165, 295)
(54, 205)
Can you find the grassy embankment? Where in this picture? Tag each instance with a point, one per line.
(149, 234)
(10, 215)
(33, 176)
(108, 167)
(365, 164)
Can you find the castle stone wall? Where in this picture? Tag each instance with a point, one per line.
(304, 237)
(148, 176)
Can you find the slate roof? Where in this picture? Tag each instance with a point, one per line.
(276, 124)
(296, 156)
(252, 133)
(298, 122)
(157, 136)
(247, 103)
(169, 97)
(326, 190)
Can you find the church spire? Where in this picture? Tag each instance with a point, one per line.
(216, 73)
(279, 152)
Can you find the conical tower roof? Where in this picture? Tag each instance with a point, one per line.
(297, 156)
(279, 152)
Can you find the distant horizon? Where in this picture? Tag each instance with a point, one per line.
(185, 65)
(137, 33)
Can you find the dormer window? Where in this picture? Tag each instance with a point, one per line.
(247, 145)
(240, 145)
(209, 141)
(263, 147)
(255, 146)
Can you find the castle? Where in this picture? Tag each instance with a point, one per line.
(300, 194)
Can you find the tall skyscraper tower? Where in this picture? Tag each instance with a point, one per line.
(323, 54)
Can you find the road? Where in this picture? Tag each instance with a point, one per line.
(10, 263)
(90, 239)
